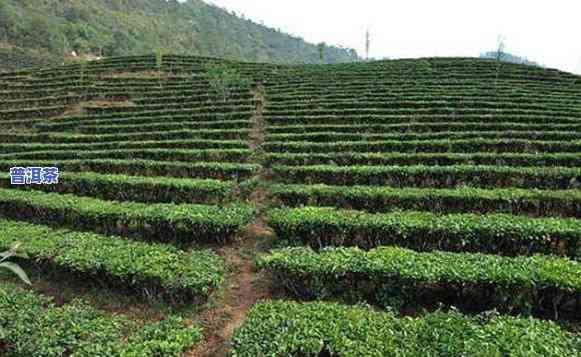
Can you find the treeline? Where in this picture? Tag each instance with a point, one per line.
(34, 32)
(507, 57)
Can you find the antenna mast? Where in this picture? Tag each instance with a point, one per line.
(367, 44)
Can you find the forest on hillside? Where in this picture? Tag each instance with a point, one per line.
(42, 32)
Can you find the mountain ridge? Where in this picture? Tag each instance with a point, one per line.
(40, 33)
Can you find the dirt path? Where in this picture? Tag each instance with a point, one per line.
(243, 288)
(240, 293)
(258, 130)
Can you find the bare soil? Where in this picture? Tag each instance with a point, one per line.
(241, 291)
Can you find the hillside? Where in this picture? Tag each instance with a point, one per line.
(44, 32)
(207, 207)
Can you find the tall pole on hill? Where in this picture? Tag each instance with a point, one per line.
(367, 44)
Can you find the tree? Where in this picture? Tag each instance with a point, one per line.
(224, 79)
(500, 48)
(5, 21)
(136, 27)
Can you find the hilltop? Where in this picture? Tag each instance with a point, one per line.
(39, 33)
(209, 206)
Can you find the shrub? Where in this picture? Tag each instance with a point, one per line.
(399, 277)
(318, 329)
(223, 79)
(494, 233)
(157, 269)
(183, 224)
(35, 326)
(134, 188)
(566, 203)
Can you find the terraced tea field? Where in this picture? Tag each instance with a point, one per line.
(424, 207)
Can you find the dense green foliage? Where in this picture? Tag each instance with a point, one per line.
(138, 189)
(566, 203)
(434, 176)
(36, 326)
(320, 329)
(493, 233)
(430, 159)
(388, 275)
(183, 224)
(151, 268)
(222, 171)
(432, 146)
(52, 28)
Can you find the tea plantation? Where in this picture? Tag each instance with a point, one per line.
(427, 207)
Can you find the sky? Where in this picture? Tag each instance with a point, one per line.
(547, 32)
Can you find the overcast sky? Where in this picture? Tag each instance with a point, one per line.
(548, 32)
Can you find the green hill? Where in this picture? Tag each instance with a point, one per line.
(210, 206)
(40, 32)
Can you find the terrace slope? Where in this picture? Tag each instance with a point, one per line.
(410, 185)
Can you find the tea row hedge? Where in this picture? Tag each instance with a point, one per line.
(316, 84)
(204, 121)
(403, 278)
(35, 93)
(151, 125)
(430, 128)
(211, 155)
(163, 125)
(483, 94)
(433, 146)
(426, 104)
(70, 85)
(194, 114)
(40, 112)
(429, 159)
(433, 176)
(163, 144)
(234, 108)
(221, 171)
(194, 90)
(148, 117)
(280, 328)
(319, 83)
(424, 71)
(194, 133)
(425, 231)
(331, 136)
(210, 100)
(183, 224)
(70, 138)
(411, 92)
(20, 123)
(150, 269)
(415, 91)
(40, 102)
(358, 118)
(539, 203)
(136, 188)
(34, 325)
(211, 103)
(165, 94)
(557, 114)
